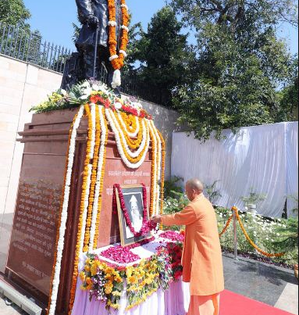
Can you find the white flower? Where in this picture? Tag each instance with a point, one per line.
(63, 92)
(85, 84)
(86, 94)
(95, 87)
(136, 105)
(118, 105)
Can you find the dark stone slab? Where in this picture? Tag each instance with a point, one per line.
(256, 280)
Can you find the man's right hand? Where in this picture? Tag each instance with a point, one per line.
(156, 219)
(92, 20)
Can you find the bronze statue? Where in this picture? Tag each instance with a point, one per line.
(92, 43)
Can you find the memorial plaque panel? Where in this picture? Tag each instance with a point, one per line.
(34, 233)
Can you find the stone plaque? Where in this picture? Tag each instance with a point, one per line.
(34, 233)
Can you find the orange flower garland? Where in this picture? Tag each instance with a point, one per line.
(130, 121)
(60, 210)
(138, 158)
(132, 160)
(80, 224)
(162, 170)
(117, 60)
(251, 242)
(93, 181)
(132, 143)
(153, 173)
(95, 241)
(226, 226)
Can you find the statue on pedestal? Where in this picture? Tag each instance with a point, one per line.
(101, 43)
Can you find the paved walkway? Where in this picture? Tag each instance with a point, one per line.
(266, 283)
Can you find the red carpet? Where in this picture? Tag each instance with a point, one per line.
(235, 304)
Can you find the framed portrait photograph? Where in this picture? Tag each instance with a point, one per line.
(131, 213)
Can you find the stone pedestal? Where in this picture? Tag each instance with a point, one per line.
(32, 246)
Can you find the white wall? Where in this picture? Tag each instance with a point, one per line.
(21, 86)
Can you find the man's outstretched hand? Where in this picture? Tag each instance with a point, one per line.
(156, 219)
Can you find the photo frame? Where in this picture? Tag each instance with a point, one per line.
(133, 200)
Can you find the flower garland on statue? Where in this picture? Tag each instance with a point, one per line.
(129, 122)
(117, 59)
(84, 196)
(131, 140)
(99, 183)
(145, 226)
(131, 159)
(63, 213)
(162, 169)
(156, 173)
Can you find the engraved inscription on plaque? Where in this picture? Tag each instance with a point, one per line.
(34, 233)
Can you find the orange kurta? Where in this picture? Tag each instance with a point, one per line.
(202, 257)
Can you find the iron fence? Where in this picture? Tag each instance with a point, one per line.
(21, 44)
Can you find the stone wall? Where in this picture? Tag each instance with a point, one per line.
(22, 86)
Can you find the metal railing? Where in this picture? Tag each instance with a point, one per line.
(21, 44)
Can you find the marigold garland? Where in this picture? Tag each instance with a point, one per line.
(132, 143)
(162, 170)
(156, 171)
(132, 162)
(82, 207)
(93, 179)
(249, 239)
(120, 136)
(226, 225)
(63, 213)
(158, 167)
(130, 122)
(117, 59)
(101, 171)
(153, 173)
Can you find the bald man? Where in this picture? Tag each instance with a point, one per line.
(202, 258)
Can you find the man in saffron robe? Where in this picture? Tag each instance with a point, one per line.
(202, 257)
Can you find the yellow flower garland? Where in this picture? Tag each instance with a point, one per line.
(60, 210)
(235, 209)
(139, 157)
(132, 143)
(130, 121)
(226, 226)
(93, 181)
(162, 169)
(117, 60)
(84, 189)
(95, 242)
(153, 172)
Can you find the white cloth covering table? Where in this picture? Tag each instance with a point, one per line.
(174, 301)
